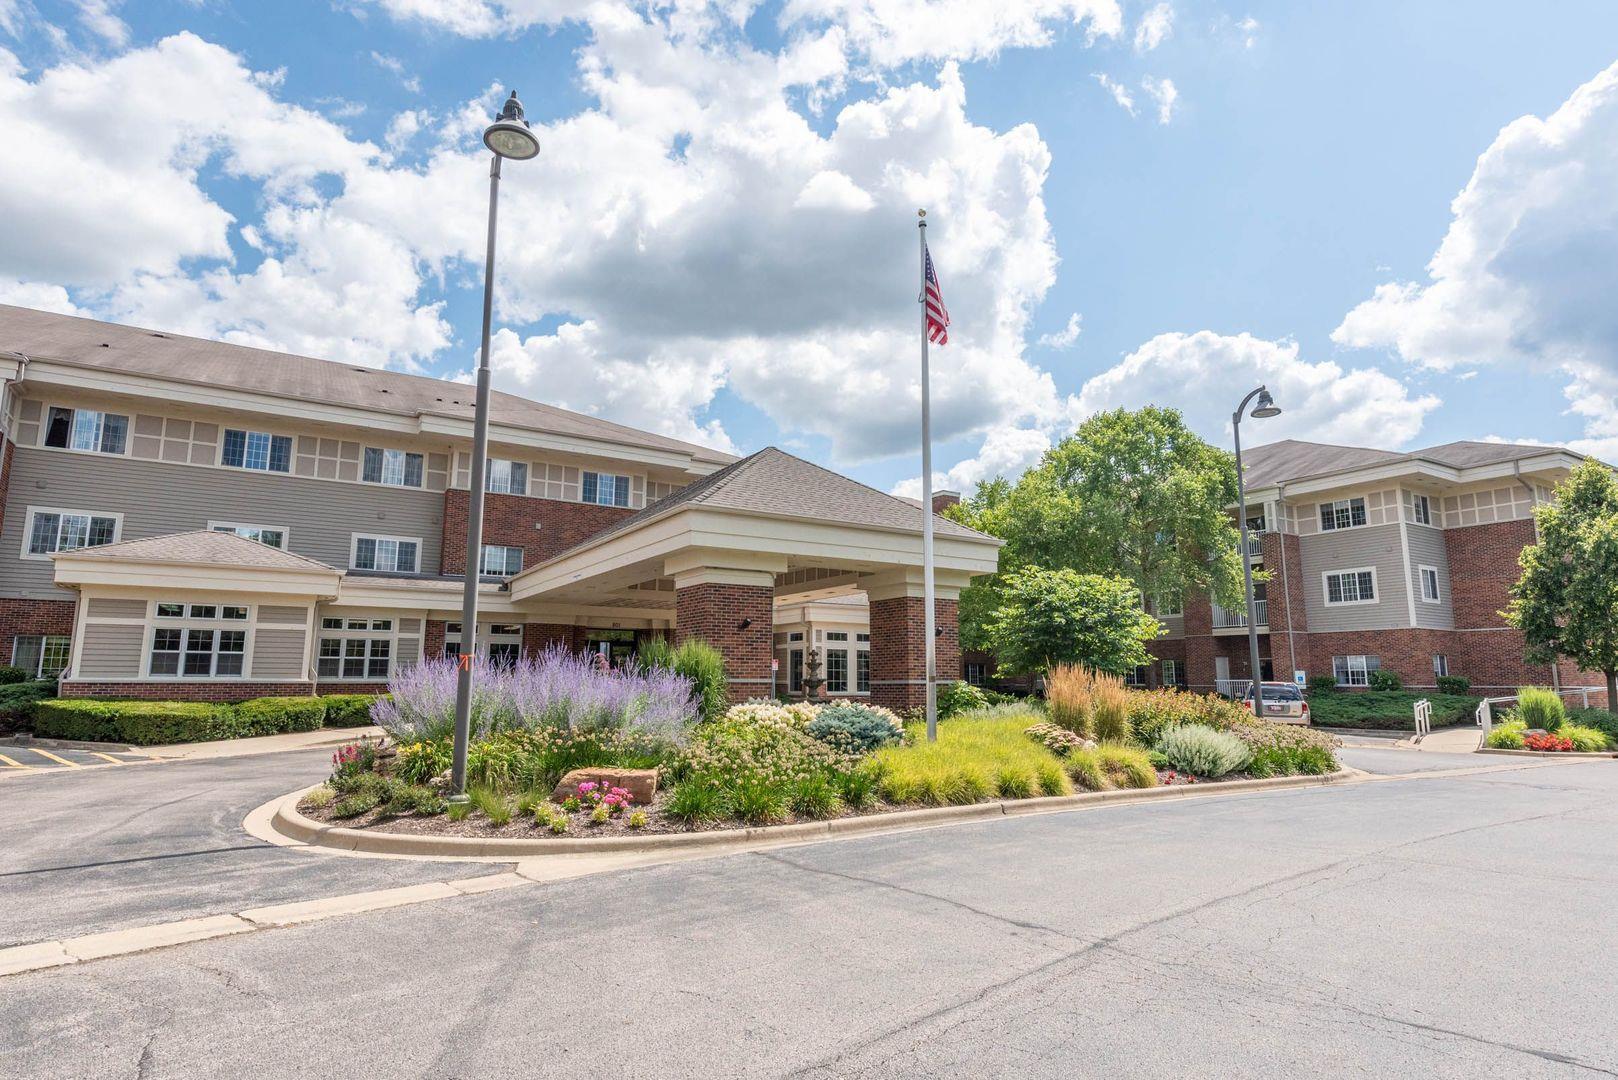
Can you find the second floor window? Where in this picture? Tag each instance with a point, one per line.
(68, 530)
(271, 535)
(86, 429)
(387, 553)
(257, 450)
(500, 560)
(606, 489)
(397, 467)
(506, 477)
(1342, 514)
(1351, 587)
(1422, 508)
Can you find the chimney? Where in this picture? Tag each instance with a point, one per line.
(942, 499)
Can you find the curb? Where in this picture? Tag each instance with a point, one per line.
(1561, 755)
(289, 823)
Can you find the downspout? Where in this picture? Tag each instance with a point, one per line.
(1516, 468)
(1286, 583)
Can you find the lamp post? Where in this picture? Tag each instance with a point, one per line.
(1265, 409)
(508, 137)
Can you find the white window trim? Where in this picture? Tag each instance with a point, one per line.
(1333, 503)
(505, 547)
(1365, 666)
(63, 671)
(28, 527)
(286, 533)
(629, 487)
(154, 624)
(527, 474)
(45, 426)
(1415, 502)
(1421, 582)
(383, 483)
(1325, 590)
(219, 453)
(354, 546)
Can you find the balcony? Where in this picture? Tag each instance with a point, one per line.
(1255, 545)
(1225, 619)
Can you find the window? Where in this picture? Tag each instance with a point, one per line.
(1429, 584)
(500, 561)
(1342, 514)
(86, 429)
(1354, 670)
(837, 671)
(864, 639)
(1422, 509)
(1137, 676)
(1440, 665)
(606, 489)
(228, 612)
(796, 635)
(397, 467)
(837, 635)
(67, 530)
(976, 673)
(256, 450)
(354, 658)
(274, 536)
(506, 477)
(500, 644)
(390, 554)
(862, 671)
(1171, 672)
(795, 670)
(43, 656)
(197, 652)
(1350, 586)
(1170, 604)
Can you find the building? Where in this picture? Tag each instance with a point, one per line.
(182, 518)
(1376, 560)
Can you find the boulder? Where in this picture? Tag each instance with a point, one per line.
(640, 783)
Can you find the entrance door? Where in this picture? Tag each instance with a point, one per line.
(618, 646)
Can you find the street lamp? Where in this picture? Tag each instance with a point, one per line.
(508, 137)
(1263, 410)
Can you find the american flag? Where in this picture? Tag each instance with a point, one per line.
(937, 313)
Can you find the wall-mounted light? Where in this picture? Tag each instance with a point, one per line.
(938, 631)
(745, 624)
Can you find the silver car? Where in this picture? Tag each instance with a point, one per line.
(1283, 702)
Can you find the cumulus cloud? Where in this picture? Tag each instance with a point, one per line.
(1154, 27)
(1522, 277)
(1006, 451)
(1066, 337)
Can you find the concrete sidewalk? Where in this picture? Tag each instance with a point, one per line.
(264, 744)
(1454, 740)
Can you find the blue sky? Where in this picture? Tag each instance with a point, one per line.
(718, 241)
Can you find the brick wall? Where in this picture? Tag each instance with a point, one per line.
(543, 528)
(179, 690)
(1492, 659)
(432, 640)
(899, 651)
(1482, 567)
(714, 613)
(1286, 615)
(350, 688)
(1199, 642)
(537, 637)
(32, 617)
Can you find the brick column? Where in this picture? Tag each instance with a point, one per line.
(1288, 620)
(432, 642)
(712, 606)
(899, 645)
(538, 637)
(1199, 643)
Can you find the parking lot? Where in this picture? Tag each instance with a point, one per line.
(27, 755)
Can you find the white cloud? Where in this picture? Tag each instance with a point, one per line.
(1006, 451)
(35, 295)
(1522, 277)
(1154, 27)
(1205, 374)
(1119, 92)
(889, 33)
(396, 67)
(404, 127)
(830, 190)
(1248, 27)
(1066, 337)
(1163, 93)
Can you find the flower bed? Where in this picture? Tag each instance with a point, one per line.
(1542, 723)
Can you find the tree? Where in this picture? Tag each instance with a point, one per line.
(1566, 602)
(1060, 616)
(1134, 494)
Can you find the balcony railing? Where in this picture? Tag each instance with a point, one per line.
(1255, 544)
(1224, 619)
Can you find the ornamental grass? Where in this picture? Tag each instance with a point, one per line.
(972, 761)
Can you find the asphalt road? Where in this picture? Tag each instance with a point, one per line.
(1452, 925)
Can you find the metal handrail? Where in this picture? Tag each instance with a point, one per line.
(1424, 719)
(1226, 619)
(1484, 713)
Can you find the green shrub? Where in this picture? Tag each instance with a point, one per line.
(144, 723)
(655, 652)
(1453, 684)
(704, 665)
(855, 729)
(1291, 761)
(1600, 719)
(697, 802)
(1388, 709)
(857, 787)
(815, 797)
(1202, 751)
(1084, 766)
(1508, 736)
(1540, 708)
(17, 701)
(1153, 711)
(971, 760)
(1321, 684)
(278, 715)
(1126, 766)
(1383, 679)
(1586, 740)
(958, 697)
(11, 674)
(537, 758)
(349, 710)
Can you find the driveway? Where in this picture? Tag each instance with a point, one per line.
(1455, 924)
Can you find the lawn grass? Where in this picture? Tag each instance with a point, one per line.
(1392, 710)
(974, 759)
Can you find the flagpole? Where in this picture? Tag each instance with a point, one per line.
(927, 499)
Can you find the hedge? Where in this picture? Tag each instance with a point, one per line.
(1387, 709)
(143, 723)
(278, 715)
(17, 701)
(349, 710)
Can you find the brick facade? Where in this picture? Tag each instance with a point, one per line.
(1489, 554)
(537, 637)
(543, 528)
(179, 690)
(432, 640)
(899, 650)
(32, 617)
(714, 612)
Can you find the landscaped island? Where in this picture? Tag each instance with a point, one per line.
(561, 748)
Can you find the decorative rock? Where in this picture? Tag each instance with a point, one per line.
(640, 783)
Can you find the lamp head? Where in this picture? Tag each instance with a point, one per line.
(509, 135)
(1266, 407)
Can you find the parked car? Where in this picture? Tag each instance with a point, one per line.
(1283, 702)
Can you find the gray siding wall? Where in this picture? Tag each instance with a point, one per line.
(157, 498)
(1427, 549)
(278, 654)
(1345, 549)
(111, 651)
(283, 613)
(108, 607)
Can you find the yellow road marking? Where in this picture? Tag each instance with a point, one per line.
(108, 757)
(53, 757)
(13, 763)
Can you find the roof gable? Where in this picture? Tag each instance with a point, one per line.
(201, 547)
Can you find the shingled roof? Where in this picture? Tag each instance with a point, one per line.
(1293, 459)
(131, 349)
(205, 547)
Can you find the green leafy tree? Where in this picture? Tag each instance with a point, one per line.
(1135, 494)
(1061, 616)
(1566, 602)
